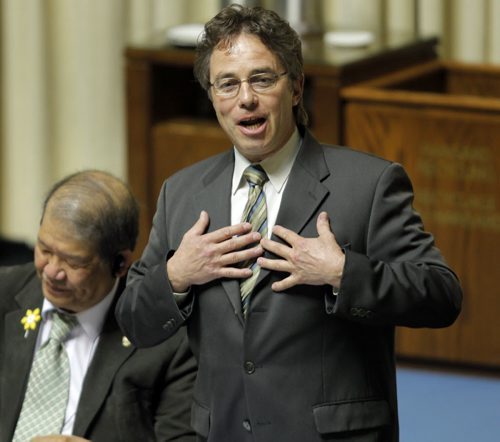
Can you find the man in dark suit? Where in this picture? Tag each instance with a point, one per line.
(116, 392)
(338, 258)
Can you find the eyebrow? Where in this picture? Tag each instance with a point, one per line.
(66, 256)
(252, 72)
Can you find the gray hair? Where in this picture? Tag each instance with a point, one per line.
(99, 207)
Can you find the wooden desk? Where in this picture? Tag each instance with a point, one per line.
(170, 122)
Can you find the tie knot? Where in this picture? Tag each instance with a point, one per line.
(255, 175)
(62, 324)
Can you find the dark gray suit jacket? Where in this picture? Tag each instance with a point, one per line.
(129, 394)
(306, 366)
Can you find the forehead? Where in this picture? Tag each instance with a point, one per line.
(245, 52)
(62, 236)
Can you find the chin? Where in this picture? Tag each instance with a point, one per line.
(57, 299)
(255, 153)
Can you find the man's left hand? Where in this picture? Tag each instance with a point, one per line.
(313, 261)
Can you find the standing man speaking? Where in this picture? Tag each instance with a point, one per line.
(290, 261)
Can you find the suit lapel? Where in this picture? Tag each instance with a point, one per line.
(18, 353)
(303, 195)
(109, 356)
(216, 199)
(304, 191)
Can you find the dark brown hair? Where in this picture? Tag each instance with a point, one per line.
(274, 32)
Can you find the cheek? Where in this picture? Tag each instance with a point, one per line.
(79, 282)
(40, 260)
(89, 283)
(222, 108)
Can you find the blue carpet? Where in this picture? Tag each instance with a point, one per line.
(435, 406)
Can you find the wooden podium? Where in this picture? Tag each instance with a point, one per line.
(442, 122)
(170, 122)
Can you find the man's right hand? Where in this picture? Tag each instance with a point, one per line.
(203, 257)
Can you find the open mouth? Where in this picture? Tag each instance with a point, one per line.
(252, 123)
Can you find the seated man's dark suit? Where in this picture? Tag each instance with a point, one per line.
(129, 394)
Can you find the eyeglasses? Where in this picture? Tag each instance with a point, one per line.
(259, 83)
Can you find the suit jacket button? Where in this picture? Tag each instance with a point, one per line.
(247, 426)
(249, 367)
(170, 324)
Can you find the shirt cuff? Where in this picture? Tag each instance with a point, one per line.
(181, 298)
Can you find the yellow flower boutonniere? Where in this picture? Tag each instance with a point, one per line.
(126, 342)
(30, 320)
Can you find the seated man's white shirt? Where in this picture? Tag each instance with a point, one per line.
(80, 347)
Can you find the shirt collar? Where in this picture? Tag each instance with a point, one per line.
(277, 166)
(92, 319)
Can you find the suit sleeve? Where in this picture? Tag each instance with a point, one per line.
(402, 278)
(147, 311)
(173, 413)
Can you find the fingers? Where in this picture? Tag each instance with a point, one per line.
(278, 265)
(238, 242)
(284, 284)
(285, 234)
(240, 256)
(323, 224)
(200, 226)
(202, 257)
(229, 232)
(275, 247)
(313, 261)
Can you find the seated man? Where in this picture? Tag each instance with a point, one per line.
(65, 366)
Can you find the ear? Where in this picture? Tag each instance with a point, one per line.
(122, 263)
(298, 90)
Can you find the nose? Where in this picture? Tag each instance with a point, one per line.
(247, 97)
(54, 270)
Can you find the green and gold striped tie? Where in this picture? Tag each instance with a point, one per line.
(256, 214)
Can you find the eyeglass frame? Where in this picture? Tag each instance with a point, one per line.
(275, 75)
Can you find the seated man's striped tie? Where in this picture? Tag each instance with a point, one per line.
(46, 397)
(256, 214)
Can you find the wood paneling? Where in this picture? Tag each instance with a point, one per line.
(442, 122)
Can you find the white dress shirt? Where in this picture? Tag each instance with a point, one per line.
(80, 347)
(277, 168)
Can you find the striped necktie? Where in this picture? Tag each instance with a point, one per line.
(46, 397)
(256, 214)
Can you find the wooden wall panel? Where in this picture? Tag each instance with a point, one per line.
(452, 155)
